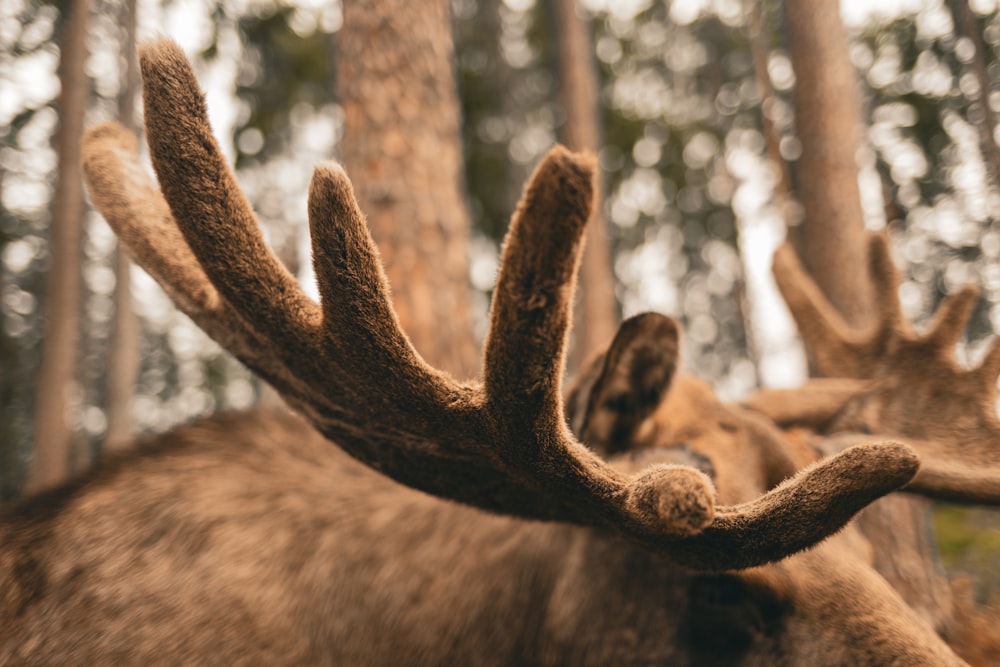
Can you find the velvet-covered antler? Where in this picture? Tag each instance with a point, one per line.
(501, 444)
(892, 381)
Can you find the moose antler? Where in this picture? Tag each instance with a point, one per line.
(501, 444)
(892, 380)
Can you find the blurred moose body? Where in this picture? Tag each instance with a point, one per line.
(691, 534)
(249, 539)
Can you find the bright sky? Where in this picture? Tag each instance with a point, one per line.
(856, 12)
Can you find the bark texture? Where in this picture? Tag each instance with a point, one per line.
(53, 435)
(402, 147)
(834, 250)
(596, 315)
(757, 33)
(123, 358)
(827, 111)
(982, 114)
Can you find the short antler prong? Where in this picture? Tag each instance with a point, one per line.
(827, 335)
(951, 318)
(530, 315)
(885, 281)
(351, 281)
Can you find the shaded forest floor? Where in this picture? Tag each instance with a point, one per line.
(969, 545)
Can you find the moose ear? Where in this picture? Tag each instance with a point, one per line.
(618, 389)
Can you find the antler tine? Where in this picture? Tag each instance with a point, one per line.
(959, 482)
(136, 211)
(525, 351)
(951, 318)
(360, 328)
(134, 207)
(837, 349)
(829, 339)
(803, 510)
(209, 207)
(530, 314)
(885, 282)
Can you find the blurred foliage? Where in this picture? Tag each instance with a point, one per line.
(671, 96)
(924, 110)
(27, 162)
(675, 97)
(492, 92)
(281, 67)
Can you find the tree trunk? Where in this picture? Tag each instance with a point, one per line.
(53, 436)
(123, 356)
(834, 250)
(402, 148)
(982, 114)
(757, 34)
(827, 113)
(596, 316)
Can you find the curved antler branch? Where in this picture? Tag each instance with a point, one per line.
(534, 291)
(803, 510)
(502, 445)
(812, 405)
(209, 206)
(137, 212)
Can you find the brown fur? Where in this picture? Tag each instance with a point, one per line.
(248, 539)
(975, 635)
(251, 539)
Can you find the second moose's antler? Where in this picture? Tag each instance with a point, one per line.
(889, 379)
(501, 444)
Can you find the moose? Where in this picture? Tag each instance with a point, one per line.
(398, 516)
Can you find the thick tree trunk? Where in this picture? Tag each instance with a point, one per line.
(53, 436)
(833, 249)
(827, 103)
(402, 148)
(123, 357)
(596, 316)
